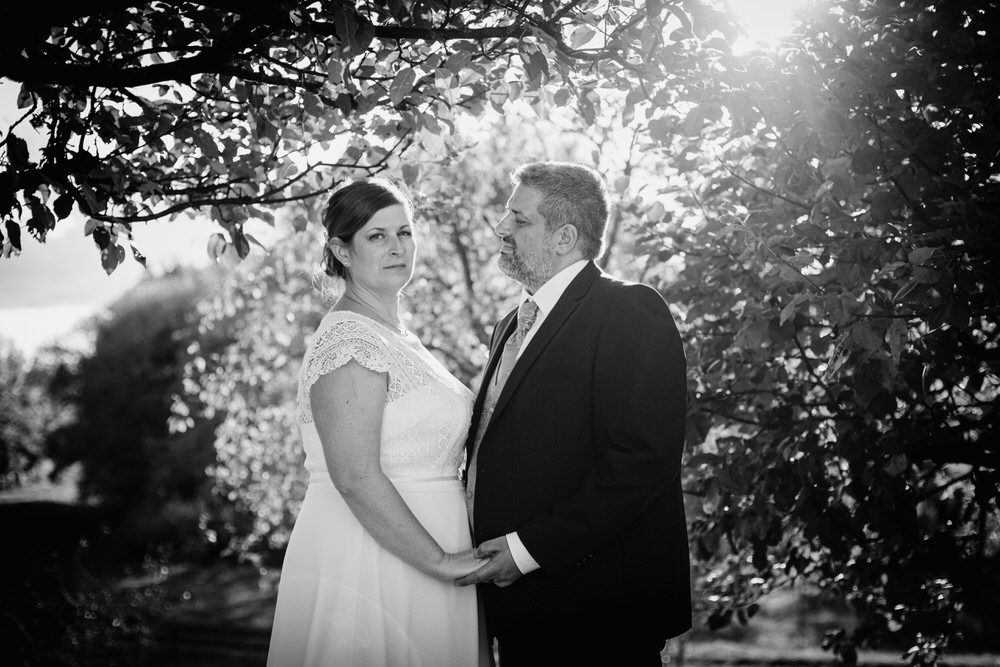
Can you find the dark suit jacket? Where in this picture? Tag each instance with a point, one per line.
(582, 459)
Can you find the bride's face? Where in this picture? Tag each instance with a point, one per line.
(382, 253)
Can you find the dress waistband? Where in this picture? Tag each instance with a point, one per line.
(323, 479)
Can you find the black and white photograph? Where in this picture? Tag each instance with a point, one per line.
(481, 333)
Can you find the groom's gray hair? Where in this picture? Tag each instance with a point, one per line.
(571, 194)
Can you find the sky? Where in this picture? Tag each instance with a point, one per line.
(50, 288)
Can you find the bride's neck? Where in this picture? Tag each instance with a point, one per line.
(369, 303)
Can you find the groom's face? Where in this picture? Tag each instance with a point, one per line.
(526, 254)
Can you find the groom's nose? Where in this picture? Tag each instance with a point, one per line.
(502, 229)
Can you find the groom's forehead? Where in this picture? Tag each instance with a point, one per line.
(524, 200)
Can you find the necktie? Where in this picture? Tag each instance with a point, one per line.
(526, 314)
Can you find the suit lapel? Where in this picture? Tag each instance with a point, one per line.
(554, 321)
(505, 327)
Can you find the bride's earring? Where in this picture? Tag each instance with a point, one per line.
(339, 251)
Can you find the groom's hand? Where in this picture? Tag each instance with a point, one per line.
(500, 570)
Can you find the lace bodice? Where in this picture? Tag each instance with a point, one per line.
(427, 410)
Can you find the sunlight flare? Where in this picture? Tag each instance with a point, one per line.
(765, 21)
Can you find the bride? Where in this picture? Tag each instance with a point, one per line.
(367, 579)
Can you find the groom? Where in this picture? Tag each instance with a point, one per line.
(574, 474)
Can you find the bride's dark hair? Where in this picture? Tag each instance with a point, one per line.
(350, 206)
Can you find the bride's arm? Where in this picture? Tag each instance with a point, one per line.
(347, 405)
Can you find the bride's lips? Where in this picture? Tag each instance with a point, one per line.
(396, 266)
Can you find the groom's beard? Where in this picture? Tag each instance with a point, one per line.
(530, 269)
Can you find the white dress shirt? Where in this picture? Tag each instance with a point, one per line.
(545, 298)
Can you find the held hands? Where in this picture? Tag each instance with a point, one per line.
(455, 565)
(499, 569)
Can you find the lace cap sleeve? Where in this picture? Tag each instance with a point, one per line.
(344, 337)
(341, 341)
(337, 342)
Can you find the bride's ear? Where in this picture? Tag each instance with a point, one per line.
(339, 250)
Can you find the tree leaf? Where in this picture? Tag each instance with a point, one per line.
(25, 98)
(411, 173)
(42, 221)
(240, 242)
(13, 233)
(789, 310)
(402, 85)
(102, 237)
(63, 205)
(864, 337)
(216, 246)
(312, 104)
(896, 336)
(457, 62)
(110, 258)
(139, 257)
(540, 64)
(920, 256)
(17, 152)
(205, 141)
(335, 72)
(343, 22)
(580, 36)
(346, 103)
(897, 465)
(801, 260)
(704, 458)
(252, 239)
(363, 35)
(693, 121)
(882, 204)
(587, 110)
(498, 95)
(866, 160)
(261, 214)
(531, 71)
(686, 30)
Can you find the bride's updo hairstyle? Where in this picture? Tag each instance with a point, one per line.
(350, 206)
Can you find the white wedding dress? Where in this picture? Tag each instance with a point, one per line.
(343, 600)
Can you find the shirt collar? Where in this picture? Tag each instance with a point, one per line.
(548, 294)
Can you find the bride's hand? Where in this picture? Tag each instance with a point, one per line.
(456, 565)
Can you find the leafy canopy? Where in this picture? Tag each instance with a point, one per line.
(151, 109)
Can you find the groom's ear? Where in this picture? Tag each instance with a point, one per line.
(566, 238)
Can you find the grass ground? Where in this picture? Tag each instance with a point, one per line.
(220, 616)
(786, 632)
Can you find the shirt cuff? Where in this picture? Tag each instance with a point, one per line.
(525, 563)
